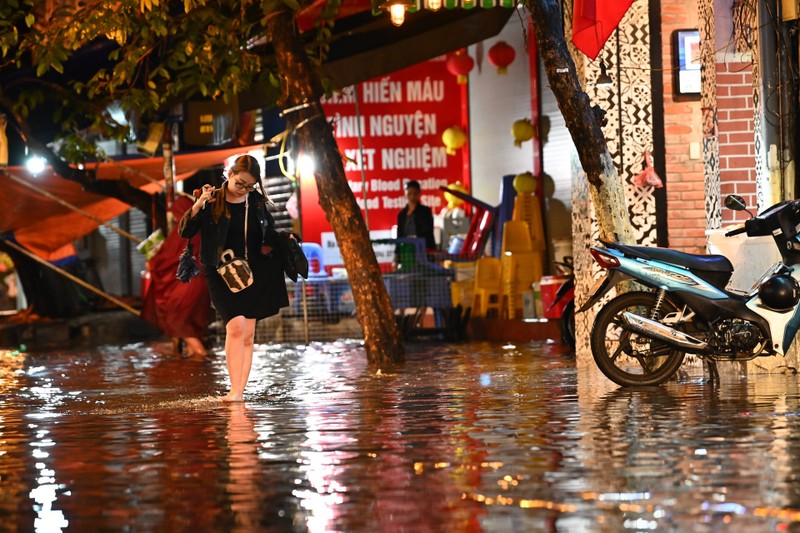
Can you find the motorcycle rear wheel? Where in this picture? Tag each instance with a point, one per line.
(628, 358)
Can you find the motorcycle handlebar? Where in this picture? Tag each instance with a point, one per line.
(736, 231)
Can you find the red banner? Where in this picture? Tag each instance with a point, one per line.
(400, 118)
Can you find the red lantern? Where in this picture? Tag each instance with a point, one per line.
(460, 64)
(501, 55)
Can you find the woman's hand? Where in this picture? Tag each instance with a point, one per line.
(206, 196)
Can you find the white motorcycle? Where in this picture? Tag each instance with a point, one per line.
(641, 337)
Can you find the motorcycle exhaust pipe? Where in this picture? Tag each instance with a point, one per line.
(659, 331)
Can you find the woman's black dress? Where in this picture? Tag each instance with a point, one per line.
(267, 294)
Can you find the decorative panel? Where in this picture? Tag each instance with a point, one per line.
(629, 133)
(709, 109)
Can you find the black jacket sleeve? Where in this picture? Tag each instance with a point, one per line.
(189, 225)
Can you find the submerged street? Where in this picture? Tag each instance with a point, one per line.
(467, 437)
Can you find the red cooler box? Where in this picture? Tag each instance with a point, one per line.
(549, 286)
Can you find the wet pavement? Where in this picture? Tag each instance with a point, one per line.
(467, 437)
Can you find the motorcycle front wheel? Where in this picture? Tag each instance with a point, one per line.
(628, 358)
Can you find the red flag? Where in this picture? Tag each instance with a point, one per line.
(593, 21)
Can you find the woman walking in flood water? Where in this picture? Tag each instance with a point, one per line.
(235, 217)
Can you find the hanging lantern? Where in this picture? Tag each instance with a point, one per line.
(453, 139)
(522, 130)
(501, 55)
(524, 183)
(454, 201)
(460, 64)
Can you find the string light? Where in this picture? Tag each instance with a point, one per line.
(397, 10)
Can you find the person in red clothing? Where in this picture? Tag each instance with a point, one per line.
(180, 310)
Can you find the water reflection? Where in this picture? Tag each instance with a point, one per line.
(467, 437)
(242, 485)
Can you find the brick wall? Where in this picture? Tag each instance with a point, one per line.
(735, 134)
(686, 217)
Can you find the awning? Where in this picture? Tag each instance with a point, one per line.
(364, 46)
(45, 227)
(309, 16)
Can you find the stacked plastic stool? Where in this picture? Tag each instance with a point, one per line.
(486, 290)
(521, 266)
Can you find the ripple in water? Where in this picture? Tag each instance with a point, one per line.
(465, 437)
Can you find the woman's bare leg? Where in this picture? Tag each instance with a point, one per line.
(235, 336)
(247, 360)
(239, 338)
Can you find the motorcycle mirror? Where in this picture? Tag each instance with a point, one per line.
(735, 202)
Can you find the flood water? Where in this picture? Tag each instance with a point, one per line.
(467, 437)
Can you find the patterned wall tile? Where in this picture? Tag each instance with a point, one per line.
(708, 76)
(629, 133)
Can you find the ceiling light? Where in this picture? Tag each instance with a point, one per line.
(397, 10)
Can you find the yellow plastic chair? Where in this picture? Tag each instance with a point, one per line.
(527, 209)
(486, 291)
(517, 237)
(521, 265)
(522, 273)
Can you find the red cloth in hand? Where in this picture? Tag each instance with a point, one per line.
(179, 309)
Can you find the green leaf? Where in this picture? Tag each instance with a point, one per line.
(60, 54)
(41, 69)
(292, 4)
(30, 19)
(270, 5)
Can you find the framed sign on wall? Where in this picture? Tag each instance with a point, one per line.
(686, 62)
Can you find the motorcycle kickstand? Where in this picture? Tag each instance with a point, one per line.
(713, 373)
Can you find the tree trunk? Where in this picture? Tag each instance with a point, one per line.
(301, 87)
(583, 122)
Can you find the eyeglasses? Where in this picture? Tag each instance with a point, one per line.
(244, 185)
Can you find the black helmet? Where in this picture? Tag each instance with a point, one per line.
(780, 292)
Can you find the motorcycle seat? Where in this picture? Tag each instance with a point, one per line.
(708, 263)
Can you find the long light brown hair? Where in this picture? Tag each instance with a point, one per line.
(243, 163)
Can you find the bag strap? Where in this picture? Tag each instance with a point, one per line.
(246, 208)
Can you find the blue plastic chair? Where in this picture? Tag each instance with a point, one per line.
(317, 282)
(316, 266)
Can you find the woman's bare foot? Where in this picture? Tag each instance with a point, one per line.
(233, 397)
(195, 347)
